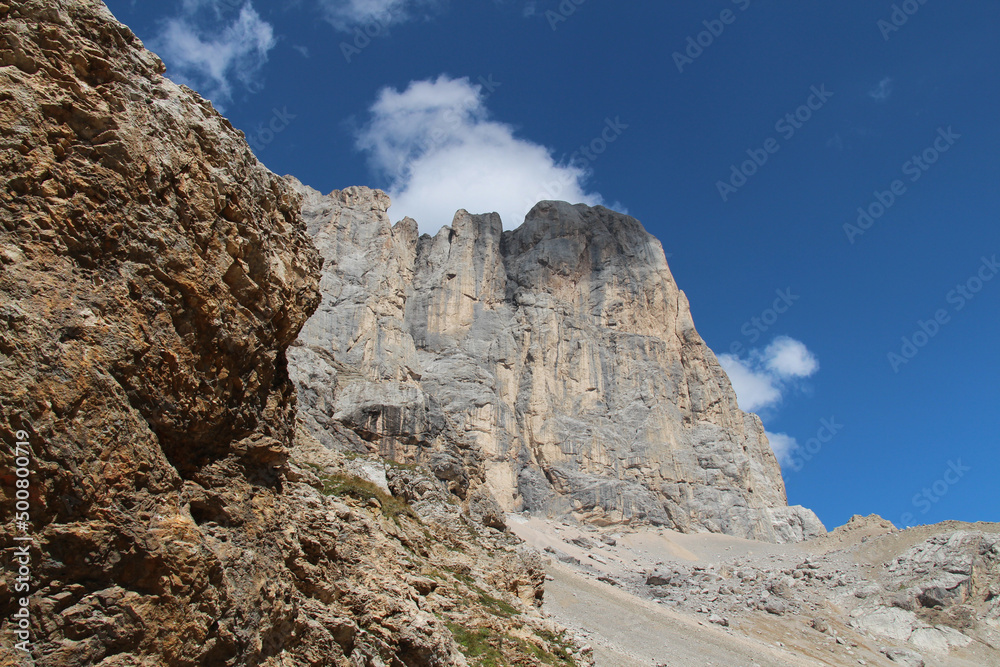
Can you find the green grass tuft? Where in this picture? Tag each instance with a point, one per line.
(486, 647)
(479, 643)
(561, 654)
(496, 606)
(361, 489)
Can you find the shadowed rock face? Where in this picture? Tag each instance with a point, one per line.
(556, 363)
(152, 273)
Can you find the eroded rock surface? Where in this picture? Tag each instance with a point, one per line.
(556, 364)
(152, 275)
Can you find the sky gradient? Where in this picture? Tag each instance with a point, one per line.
(823, 176)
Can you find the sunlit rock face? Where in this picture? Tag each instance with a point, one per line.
(557, 364)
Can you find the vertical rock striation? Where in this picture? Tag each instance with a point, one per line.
(557, 364)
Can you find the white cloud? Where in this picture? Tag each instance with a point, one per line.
(437, 147)
(788, 357)
(754, 389)
(782, 445)
(882, 90)
(210, 59)
(346, 15)
(761, 380)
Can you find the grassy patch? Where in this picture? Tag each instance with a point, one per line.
(362, 489)
(401, 466)
(464, 577)
(496, 606)
(487, 648)
(559, 657)
(479, 643)
(561, 654)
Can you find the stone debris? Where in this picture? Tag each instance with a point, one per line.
(929, 590)
(903, 657)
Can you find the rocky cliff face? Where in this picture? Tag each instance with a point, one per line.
(556, 364)
(152, 275)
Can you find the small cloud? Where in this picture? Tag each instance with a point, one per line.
(755, 389)
(346, 15)
(207, 53)
(789, 358)
(882, 91)
(303, 50)
(440, 151)
(192, 7)
(782, 445)
(761, 380)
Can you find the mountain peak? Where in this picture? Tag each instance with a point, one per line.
(555, 365)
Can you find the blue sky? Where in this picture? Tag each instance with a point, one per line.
(745, 134)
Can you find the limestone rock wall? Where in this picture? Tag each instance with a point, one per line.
(556, 363)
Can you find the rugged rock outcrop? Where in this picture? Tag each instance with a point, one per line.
(939, 592)
(866, 593)
(152, 275)
(556, 364)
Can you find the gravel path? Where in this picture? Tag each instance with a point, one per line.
(626, 631)
(793, 604)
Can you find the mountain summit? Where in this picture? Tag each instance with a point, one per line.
(556, 365)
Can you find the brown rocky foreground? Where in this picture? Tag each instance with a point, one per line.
(152, 276)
